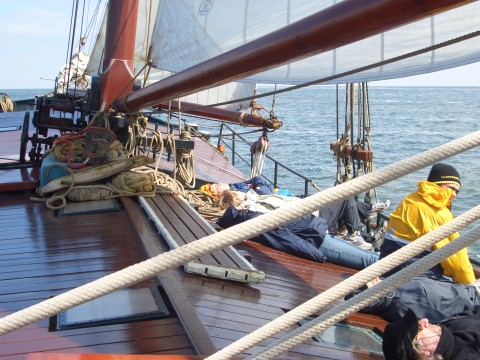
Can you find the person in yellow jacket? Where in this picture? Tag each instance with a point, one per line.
(422, 211)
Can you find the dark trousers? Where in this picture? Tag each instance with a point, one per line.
(342, 213)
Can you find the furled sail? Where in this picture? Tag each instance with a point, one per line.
(188, 32)
(147, 13)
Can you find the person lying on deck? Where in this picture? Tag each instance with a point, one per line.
(343, 212)
(257, 184)
(306, 237)
(430, 298)
(348, 214)
(365, 209)
(414, 337)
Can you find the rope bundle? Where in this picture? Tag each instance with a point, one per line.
(126, 183)
(184, 164)
(73, 148)
(134, 181)
(92, 145)
(204, 204)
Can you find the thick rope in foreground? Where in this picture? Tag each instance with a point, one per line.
(233, 235)
(347, 286)
(359, 301)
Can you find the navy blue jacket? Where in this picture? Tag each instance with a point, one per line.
(301, 237)
(256, 183)
(460, 338)
(429, 298)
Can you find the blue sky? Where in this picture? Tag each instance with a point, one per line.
(34, 39)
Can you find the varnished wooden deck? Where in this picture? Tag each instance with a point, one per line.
(43, 255)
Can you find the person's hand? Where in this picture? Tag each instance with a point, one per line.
(373, 282)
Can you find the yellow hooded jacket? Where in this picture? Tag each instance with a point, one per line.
(423, 211)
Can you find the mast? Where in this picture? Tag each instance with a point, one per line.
(118, 72)
(338, 25)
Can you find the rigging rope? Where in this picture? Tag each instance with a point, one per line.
(231, 236)
(259, 150)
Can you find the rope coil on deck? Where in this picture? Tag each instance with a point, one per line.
(135, 182)
(235, 234)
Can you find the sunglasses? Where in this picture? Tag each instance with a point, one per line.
(456, 191)
(426, 340)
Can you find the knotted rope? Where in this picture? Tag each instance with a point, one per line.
(174, 258)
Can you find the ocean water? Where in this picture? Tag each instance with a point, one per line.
(405, 121)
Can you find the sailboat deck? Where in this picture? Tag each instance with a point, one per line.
(43, 254)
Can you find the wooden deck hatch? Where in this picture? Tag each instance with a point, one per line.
(179, 224)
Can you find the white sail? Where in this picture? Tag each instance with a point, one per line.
(147, 13)
(188, 32)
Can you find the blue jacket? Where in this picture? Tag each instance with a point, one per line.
(433, 299)
(460, 338)
(301, 237)
(256, 183)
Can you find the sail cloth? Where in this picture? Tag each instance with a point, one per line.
(147, 13)
(188, 32)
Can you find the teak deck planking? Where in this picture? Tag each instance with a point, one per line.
(45, 255)
(42, 255)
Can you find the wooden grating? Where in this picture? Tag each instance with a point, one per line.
(180, 224)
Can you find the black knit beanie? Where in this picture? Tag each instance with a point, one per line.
(443, 174)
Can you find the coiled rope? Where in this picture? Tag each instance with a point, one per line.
(174, 258)
(137, 129)
(135, 182)
(92, 145)
(204, 204)
(259, 152)
(184, 162)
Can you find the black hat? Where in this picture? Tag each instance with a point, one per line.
(443, 174)
(398, 337)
